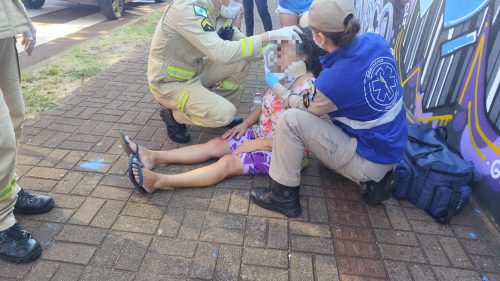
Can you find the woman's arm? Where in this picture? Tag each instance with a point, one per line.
(253, 117)
(240, 130)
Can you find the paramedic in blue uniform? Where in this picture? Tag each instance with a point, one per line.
(360, 90)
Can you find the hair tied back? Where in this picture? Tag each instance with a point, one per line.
(347, 19)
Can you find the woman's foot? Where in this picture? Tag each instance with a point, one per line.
(150, 180)
(145, 155)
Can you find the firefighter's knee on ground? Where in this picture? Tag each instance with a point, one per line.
(223, 114)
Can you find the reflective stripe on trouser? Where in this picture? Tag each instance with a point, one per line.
(180, 73)
(11, 119)
(299, 129)
(7, 201)
(228, 85)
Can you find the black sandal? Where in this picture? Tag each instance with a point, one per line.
(126, 145)
(138, 185)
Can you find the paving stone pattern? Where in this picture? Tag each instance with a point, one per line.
(101, 229)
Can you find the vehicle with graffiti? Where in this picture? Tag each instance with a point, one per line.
(448, 53)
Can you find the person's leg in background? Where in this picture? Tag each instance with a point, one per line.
(248, 7)
(287, 17)
(16, 245)
(264, 14)
(10, 83)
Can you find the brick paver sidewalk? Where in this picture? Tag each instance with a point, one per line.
(102, 230)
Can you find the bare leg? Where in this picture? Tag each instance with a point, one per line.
(229, 165)
(192, 154)
(288, 20)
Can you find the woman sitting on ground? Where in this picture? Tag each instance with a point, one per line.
(242, 150)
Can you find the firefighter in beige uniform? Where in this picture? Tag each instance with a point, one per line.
(193, 72)
(16, 244)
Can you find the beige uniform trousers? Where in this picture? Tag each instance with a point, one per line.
(299, 129)
(203, 100)
(11, 121)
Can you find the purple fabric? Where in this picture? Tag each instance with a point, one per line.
(254, 163)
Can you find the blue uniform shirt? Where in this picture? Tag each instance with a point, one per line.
(362, 80)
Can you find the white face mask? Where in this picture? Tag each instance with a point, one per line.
(316, 42)
(230, 11)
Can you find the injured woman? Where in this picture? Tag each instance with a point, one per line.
(242, 150)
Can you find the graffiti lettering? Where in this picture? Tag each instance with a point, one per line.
(495, 169)
(448, 57)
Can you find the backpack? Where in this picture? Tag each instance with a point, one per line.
(434, 176)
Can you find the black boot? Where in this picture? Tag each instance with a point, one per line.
(278, 197)
(236, 121)
(29, 204)
(175, 131)
(17, 245)
(376, 192)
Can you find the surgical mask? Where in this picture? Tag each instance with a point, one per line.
(316, 42)
(230, 11)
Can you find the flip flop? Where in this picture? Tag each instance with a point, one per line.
(138, 185)
(126, 145)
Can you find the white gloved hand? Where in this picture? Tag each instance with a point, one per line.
(29, 40)
(287, 33)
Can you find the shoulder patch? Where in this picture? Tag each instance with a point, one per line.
(308, 97)
(207, 25)
(200, 11)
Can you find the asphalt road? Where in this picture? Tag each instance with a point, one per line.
(62, 24)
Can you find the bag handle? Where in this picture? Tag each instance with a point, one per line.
(453, 207)
(436, 147)
(442, 132)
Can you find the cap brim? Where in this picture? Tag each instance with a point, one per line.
(304, 20)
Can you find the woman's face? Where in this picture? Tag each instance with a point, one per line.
(286, 54)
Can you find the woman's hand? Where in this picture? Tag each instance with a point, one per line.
(254, 145)
(240, 130)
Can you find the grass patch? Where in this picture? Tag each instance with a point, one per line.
(42, 87)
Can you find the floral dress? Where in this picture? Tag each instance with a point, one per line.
(258, 162)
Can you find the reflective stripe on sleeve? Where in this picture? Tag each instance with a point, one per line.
(246, 47)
